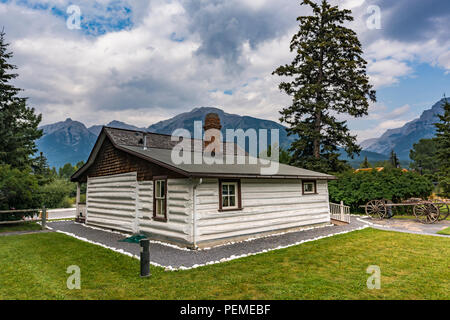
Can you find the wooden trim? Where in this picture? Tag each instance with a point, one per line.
(160, 219)
(239, 198)
(309, 181)
(156, 218)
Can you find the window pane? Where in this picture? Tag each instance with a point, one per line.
(232, 189)
(232, 201)
(225, 201)
(163, 189)
(163, 207)
(158, 188)
(225, 189)
(309, 187)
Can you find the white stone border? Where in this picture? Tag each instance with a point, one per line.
(372, 224)
(232, 257)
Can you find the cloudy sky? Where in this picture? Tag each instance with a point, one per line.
(143, 61)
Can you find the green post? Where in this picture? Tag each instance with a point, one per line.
(44, 218)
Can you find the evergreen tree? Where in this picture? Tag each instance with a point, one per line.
(329, 78)
(18, 123)
(67, 171)
(393, 159)
(443, 146)
(42, 170)
(283, 155)
(79, 164)
(40, 165)
(366, 163)
(424, 158)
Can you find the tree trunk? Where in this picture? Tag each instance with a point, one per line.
(318, 113)
(317, 124)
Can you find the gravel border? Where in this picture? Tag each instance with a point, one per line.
(173, 258)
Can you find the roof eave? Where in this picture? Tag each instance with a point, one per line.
(258, 176)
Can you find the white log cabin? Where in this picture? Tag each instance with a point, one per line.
(133, 186)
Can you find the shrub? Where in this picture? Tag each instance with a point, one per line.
(18, 190)
(357, 189)
(55, 194)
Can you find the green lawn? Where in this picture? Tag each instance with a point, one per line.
(24, 226)
(445, 232)
(412, 267)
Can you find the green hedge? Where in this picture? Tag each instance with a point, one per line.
(357, 189)
(20, 189)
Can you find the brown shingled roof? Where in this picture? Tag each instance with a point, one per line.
(158, 151)
(135, 138)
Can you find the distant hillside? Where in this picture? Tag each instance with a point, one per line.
(228, 121)
(66, 141)
(372, 157)
(402, 139)
(70, 141)
(114, 124)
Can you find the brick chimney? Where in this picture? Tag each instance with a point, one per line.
(212, 121)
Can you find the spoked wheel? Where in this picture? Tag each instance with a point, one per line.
(443, 210)
(426, 212)
(376, 209)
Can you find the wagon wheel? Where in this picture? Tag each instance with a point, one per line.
(376, 209)
(443, 209)
(426, 212)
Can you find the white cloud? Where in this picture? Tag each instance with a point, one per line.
(140, 75)
(351, 4)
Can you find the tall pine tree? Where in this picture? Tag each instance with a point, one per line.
(18, 123)
(393, 160)
(443, 149)
(329, 78)
(365, 164)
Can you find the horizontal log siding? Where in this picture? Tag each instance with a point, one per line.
(268, 205)
(112, 204)
(111, 201)
(178, 227)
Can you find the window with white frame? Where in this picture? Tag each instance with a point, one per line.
(160, 194)
(229, 195)
(309, 187)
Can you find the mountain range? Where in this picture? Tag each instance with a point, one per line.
(71, 141)
(401, 140)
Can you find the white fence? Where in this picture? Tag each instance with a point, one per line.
(340, 212)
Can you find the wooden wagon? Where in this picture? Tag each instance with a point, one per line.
(425, 211)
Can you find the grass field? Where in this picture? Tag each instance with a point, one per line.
(445, 232)
(412, 267)
(24, 226)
